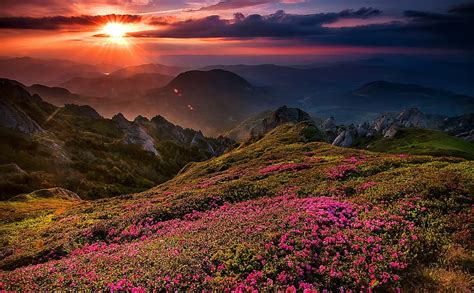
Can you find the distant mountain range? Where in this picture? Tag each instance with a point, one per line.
(117, 86)
(341, 89)
(148, 68)
(52, 72)
(44, 146)
(218, 98)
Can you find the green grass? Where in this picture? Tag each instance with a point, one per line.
(421, 142)
(436, 193)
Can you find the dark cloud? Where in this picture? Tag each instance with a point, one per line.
(57, 22)
(279, 24)
(452, 29)
(467, 8)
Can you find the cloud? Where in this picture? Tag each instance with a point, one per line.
(237, 4)
(58, 22)
(234, 4)
(452, 29)
(279, 24)
(466, 8)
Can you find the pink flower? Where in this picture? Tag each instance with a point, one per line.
(284, 167)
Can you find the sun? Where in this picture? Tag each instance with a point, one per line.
(115, 30)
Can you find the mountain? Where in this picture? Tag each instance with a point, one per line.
(323, 78)
(419, 142)
(429, 100)
(461, 126)
(261, 123)
(57, 96)
(117, 87)
(412, 131)
(208, 100)
(74, 147)
(283, 213)
(52, 72)
(328, 90)
(147, 68)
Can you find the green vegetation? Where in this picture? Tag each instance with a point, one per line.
(86, 155)
(285, 212)
(421, 142)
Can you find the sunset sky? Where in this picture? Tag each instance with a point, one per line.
(154, 30)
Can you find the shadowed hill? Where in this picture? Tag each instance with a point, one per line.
(76, 148)
(208, 100)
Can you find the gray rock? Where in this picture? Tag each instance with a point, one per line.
(329, 125)
(390, 132)
(136, 134)
(412, 117)
(200, 141)
(15, 118)
(345, 138)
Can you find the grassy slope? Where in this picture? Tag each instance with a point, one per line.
(422, 142)
(275, 213)
(97, 165)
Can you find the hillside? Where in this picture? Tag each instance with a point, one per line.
(211, 100)
(420, 142)
(44, 146)
(257, 125)
(286, 212)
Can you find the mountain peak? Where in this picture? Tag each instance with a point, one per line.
(141, 119)
(216, 78)
(262, 123)
(83, 110)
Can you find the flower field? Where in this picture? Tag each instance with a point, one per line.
(282, 213)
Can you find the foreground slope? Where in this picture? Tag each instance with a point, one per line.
(284, 212)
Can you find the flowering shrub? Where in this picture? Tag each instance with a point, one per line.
(341, 171)
(366, 185)
(230, 228)
(315, 243)
(284, 167)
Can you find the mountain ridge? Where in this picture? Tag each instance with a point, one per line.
(65, 146)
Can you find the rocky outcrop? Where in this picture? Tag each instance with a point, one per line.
(460, 126)
(135, 133)
(390, 132)
(258, 125)
(13, 117)
(412, 117)
(329, 125)
(346, 137)
(12, 94)
(467, 136)
(281, 116)
(200, 141)
(387, 125)
(148, 133)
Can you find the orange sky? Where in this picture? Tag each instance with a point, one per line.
(74, 29)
